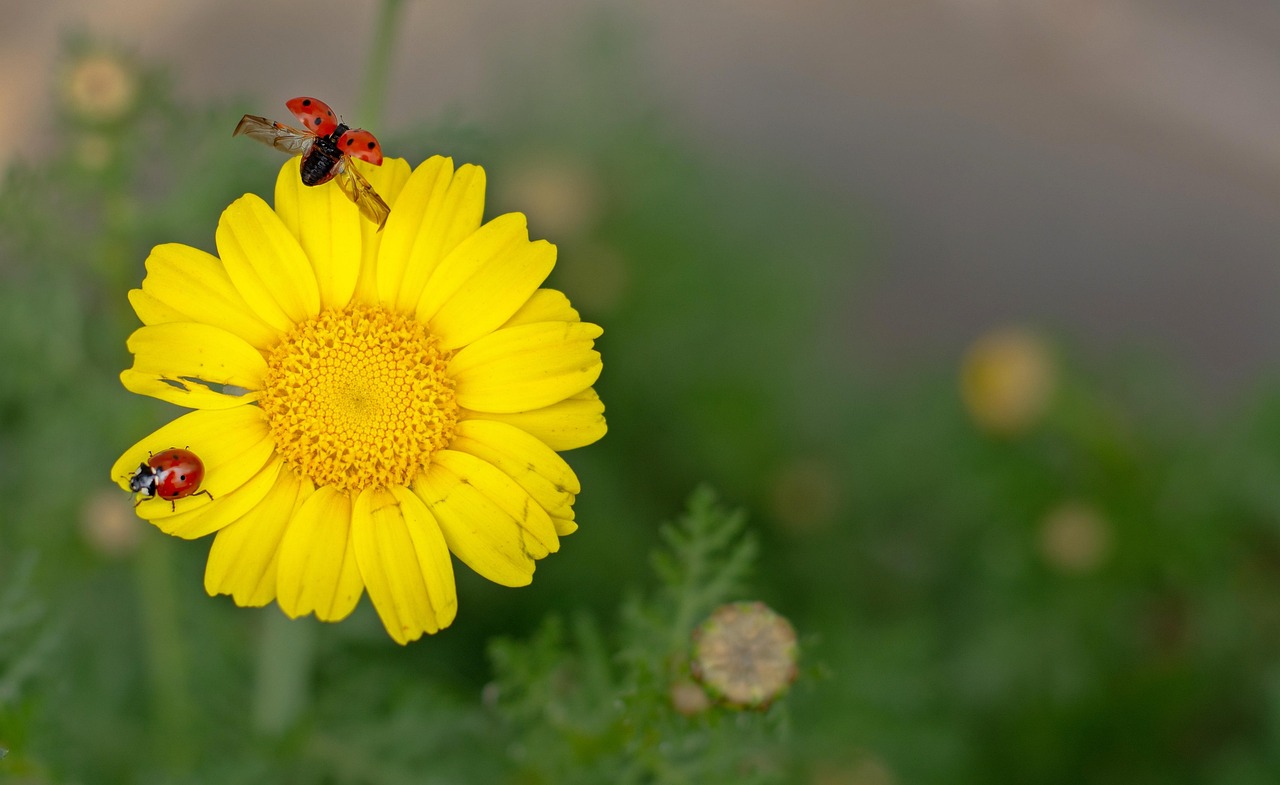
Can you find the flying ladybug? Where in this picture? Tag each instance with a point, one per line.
(327, 147)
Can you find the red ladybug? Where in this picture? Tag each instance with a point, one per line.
(172, 474)
(327, 147)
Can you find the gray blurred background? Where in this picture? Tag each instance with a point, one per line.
(1104, 168)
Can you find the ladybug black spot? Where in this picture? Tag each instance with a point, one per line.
(318, 121)
(349, 141)
(371, 145)
(182, 478)
(307, 102)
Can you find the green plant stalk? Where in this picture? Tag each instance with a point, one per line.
(286, 655)
(166, 656)
(374, 95)
(286, 648)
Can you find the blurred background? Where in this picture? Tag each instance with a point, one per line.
(970, 304)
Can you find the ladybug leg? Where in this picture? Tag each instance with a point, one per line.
(204, 493)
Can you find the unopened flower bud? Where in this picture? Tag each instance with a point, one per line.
(688, 698)
(745, 654)
(1075, 538)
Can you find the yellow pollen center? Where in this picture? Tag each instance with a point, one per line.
(358, 398)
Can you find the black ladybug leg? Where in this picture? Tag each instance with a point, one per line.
(173, 505)
(204, 493)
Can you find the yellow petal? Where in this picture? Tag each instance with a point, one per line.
(196, 523)
(545, 305)
(489, 522)
(437, 209)
(433, 554)
(388, 180)
(153, 311)
(574, 422)
(184, 284)
(483, 281)
(327, 226)
(523, 458)
(404, 562)
(564, 526)
(233, 444)
(266, 263)
(243, 559)
(317, 571)
(179, 361)
(184, 392)
(426, 187)
(526, 367)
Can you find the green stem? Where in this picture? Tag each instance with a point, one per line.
(286, 655)
(379, 69)
(688, 602)
(171, 703)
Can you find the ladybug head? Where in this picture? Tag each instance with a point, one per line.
(143, 480)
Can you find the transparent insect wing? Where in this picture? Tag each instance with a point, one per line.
(278, 135)
(361, 192)
(359, 143)
(314, 114)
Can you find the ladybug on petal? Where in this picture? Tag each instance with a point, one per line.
(172, 474)
(327, 147)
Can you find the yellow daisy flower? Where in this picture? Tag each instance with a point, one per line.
(366, 402)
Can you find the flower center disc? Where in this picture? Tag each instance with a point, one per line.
(358, 398)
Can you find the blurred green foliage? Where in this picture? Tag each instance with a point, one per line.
(593, 708)
(945, 637)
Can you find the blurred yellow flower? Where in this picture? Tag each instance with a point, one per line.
(1075, 538)
(367, 402)
(100, 87)
(108, 525)
(560, 195)
(1007, 380)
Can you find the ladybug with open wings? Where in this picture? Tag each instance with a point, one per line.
(173, 474)
(327, 147)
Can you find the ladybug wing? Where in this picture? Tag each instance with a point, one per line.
(278, 135)
(359, 143)
(359, 191)
(314, 114)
